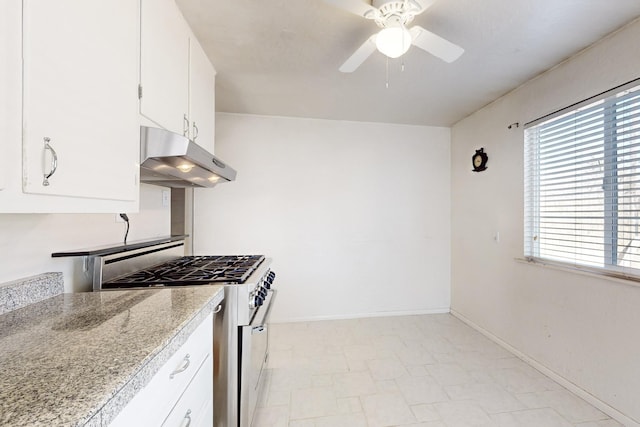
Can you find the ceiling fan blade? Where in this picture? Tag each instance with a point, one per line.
(358, 7)
(434, 44)
(360, 55)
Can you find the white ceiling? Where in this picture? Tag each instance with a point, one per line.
(281, 57)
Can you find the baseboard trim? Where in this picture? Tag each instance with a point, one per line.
(583, 394)
(362, 315)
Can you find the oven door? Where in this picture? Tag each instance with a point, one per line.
(253, 359)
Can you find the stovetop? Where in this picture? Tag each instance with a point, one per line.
(192, 270)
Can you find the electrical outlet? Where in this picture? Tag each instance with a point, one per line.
(166, 198)
(119, 218)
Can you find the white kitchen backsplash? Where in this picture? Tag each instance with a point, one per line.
(27, 240)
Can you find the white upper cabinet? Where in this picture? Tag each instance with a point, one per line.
(7, 36)
(5, 40)
(80, 120)
(177, 81)
(201, 96)
(164, 65)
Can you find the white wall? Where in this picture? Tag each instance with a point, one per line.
(27, 240)
(581, 327)
(355, 215)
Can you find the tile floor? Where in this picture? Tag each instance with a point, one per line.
(430, 370)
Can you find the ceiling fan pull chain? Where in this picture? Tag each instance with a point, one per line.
(387, 72)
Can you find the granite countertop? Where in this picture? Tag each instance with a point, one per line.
(78, 359)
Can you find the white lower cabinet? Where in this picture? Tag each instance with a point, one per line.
(181, 392)
(195, 407)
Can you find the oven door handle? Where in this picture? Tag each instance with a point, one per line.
(261, 317)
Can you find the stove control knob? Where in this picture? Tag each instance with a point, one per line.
(266, 285)
(269, 279)
(262, 292)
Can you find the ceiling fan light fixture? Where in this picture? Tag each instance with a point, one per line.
(393, 41)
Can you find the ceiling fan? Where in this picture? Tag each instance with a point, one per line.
(394, 39)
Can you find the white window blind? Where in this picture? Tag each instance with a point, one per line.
(582, 184)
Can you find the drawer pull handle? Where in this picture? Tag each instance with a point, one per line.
(54, 161)
(185, 364)
(218, 309)
(187, 419)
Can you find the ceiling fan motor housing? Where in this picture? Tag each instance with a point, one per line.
(390, 13)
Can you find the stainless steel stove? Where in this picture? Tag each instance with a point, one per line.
(241, 333)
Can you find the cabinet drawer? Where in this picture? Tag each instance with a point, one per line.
(195, 407)
(176, 374)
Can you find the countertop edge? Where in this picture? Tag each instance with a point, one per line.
(120, 398)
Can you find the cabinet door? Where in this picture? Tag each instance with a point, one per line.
(155, 402)
(8, 34)
(164, 65)
(79, 91)
(201, 96)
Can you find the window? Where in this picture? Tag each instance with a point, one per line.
(582, 184)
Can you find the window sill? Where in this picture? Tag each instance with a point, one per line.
(583, 270)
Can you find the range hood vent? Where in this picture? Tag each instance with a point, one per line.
(172, 160)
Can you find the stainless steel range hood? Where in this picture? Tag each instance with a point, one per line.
(172, 160)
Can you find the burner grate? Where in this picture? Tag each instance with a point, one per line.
(192, 270)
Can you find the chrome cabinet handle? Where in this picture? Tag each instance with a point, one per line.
(185, 125)
(187, 419)
(54, 161)
(196, 131)
(185, 364)
(218, 309)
